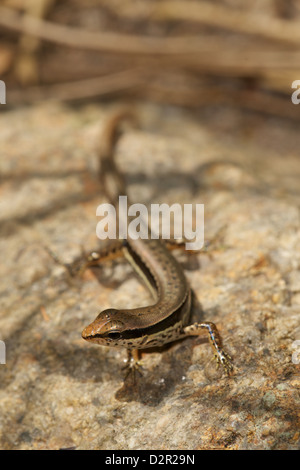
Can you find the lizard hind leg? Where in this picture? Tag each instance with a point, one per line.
(214, 337)
(86, 260)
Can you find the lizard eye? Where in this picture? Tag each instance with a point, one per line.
(114, 335)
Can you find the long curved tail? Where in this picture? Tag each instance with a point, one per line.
(111, 179)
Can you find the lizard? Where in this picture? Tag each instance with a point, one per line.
(168, 318)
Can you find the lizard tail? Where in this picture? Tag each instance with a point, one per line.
(111, 179)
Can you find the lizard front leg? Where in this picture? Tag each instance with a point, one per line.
(133, 363)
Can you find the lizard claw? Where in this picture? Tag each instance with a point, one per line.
(133, 367)
(225, 360)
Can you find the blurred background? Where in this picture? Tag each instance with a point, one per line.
(212, 83)
(190, 53)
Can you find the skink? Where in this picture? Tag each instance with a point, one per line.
(168, 318)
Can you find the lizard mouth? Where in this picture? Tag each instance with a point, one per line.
(89, 334)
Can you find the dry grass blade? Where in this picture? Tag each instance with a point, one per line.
(82, 39)
(80, 89)
(218, 16)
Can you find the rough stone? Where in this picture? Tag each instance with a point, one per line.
(57, 391)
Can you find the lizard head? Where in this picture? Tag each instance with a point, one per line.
(106, 329)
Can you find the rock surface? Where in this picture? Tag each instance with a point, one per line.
(56, 390)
